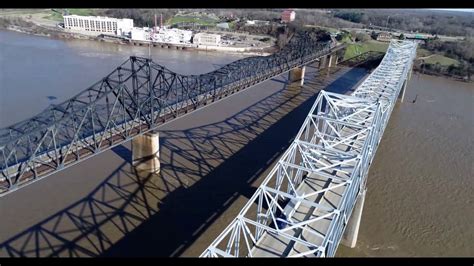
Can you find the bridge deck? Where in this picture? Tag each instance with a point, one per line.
(274, 245)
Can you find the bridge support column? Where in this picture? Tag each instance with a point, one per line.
(146, 152)
(332, 62)
(322, 62)
(297, 74)
(403, 90)
(349, 238)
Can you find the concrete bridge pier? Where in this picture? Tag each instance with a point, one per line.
(297, 74)
(349, 238)
(146, 152)
(332, 60)
(403, 90)
(322, 62)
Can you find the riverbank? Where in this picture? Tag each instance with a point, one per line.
(443, 75)
(427, 62)
(18, 24)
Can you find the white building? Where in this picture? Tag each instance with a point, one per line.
(140, 34)
(174, 36)
(162, 35)
(98, 25)
(207, 39)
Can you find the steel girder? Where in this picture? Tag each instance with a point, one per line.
(303, 205)
(135, 98)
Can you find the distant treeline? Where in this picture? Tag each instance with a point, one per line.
(460, 50)
(433, 22)
(463, 51)
(141, 17)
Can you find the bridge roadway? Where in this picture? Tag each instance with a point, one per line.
(303, 206)
(127, 103)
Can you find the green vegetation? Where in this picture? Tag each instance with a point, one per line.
(354, 49)
(441, 59)
(54, 15)
(420, 52)
(81, 11)
(232, 25)
(21, 11)
(204, 21)
(57, 14)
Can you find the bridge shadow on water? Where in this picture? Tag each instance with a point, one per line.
(204, 170)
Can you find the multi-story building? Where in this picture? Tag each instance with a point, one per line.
(288, 16)
(98, 25)
(207, 39)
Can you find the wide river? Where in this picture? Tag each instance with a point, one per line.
(420, 187)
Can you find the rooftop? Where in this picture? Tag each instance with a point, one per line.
(95, 17)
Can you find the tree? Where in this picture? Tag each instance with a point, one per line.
(401, 37)
(362, 37)
(373, 35)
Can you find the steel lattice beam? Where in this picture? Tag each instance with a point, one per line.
(303, 205)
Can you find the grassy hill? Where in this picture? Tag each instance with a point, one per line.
(354, 49)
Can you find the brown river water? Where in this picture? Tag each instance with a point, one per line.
(419, 199)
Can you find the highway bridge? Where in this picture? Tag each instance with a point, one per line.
(312, 199)
(134, 99)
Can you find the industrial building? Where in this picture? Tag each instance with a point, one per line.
(162, 35)
(288, 16)
(173, 36)
(98, 25)
(207, 39)
(140, 34)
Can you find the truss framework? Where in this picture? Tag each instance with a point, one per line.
(136, 97)
(303, 205)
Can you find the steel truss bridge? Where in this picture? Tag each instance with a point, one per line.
(135, 98)
(302, 207)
